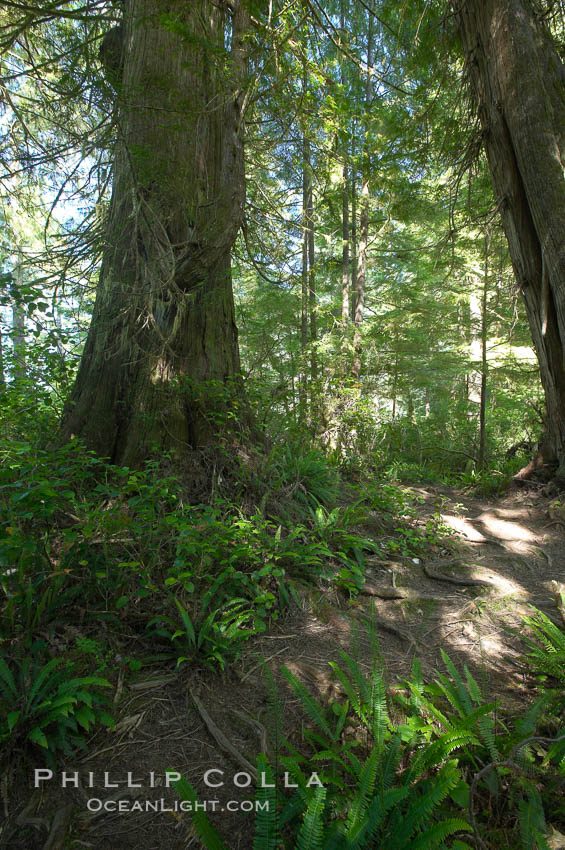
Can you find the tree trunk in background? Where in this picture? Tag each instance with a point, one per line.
(345, 274)
(517, 80)
(19, 328)
(161, 355)
(311, 263)
(306, 256)
(304, 292)
(363, 215)
(484, 360)
(2, 375)
(353, 187)
(473, 377)
(345, 193)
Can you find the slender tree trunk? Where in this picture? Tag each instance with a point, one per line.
(353, 231)
(161, 357)
(473, 377)
(395, 376)
(304, 298)
(364, 215)
(484, 359)
(19, 328)
(345, 272)
(517, 81)
(311, 263)
(306, 257)
(345, 194)
(2, 375)
(60, 347)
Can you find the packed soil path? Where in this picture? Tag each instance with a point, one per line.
(468, 598)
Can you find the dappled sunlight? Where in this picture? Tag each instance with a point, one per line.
(503, 585)
(491, 645)
(504, 530)
(464, 527)
(505, 513)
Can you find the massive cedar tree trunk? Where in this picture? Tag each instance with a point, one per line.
(162, 347)
(518, 82)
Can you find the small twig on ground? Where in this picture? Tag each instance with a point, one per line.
(261, 663)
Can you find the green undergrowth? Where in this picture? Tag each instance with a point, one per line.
(125, 552)
(107, 570)
(418, 766)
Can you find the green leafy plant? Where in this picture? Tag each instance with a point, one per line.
(546, 653)
(304, 475)
(215, 637)
(385, 784)
(502, 763)
(45, 706)
(335, 529)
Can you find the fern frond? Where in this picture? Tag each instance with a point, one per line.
(311, 832)
(420, 807)
(474, 689)
(7, 682)
(43, 681)
(438, 833)
(266, 818)
(363, 794)
(376, 814)
(358, 678)
(436, 752)
(389, 764)
(531, 818)
(379, 711)
(211, 839)
(311, 706)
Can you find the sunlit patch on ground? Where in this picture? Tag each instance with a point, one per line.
(464, 527)
(505, 530)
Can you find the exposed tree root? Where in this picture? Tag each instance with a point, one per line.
(462, 582)
(222, 741)
(392, 594)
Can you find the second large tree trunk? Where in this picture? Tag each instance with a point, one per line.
(161, 356)
(517, 80)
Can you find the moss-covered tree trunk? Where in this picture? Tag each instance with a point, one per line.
(162, 350)
(518, 82)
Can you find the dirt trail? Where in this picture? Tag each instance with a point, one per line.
(505, 557)
(514, 545)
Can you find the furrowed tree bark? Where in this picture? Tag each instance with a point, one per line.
(517, 80)
(161, 357)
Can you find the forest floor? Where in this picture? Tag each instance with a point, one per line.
(513, 546)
